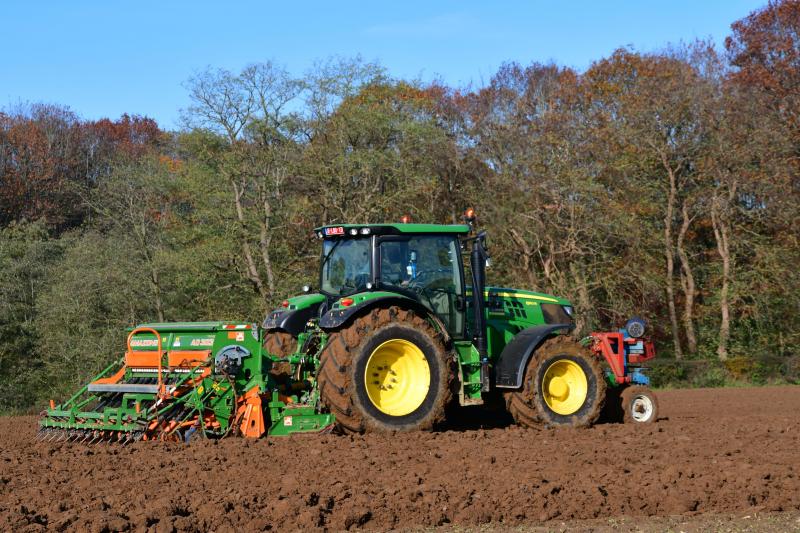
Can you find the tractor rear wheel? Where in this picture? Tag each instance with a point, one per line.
(388, 371)
(639, 404)
(567, 384)
(281, 344)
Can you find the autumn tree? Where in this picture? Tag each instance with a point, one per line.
(250, 113)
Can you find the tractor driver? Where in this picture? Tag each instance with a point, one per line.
(393, 263)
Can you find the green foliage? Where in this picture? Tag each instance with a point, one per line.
(27, 260)
(667, 373)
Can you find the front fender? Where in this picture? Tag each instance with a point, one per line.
(510, 366)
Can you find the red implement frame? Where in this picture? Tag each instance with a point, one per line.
(611, 345)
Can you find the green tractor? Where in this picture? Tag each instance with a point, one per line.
(411, 328)
(399, 330)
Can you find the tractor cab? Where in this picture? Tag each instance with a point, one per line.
(421, 262)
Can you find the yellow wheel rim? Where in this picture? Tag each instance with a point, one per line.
(564, 387)
(397, 377)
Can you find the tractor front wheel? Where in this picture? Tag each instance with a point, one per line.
(639, 404)
(388, 371)
(568, 384)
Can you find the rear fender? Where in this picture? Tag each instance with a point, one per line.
(291, 321)
(343, 316)
(510, 366)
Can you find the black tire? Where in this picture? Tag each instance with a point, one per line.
(281, 344)
(519, 403)
(639, 404)
(564, 348)
(341, 375)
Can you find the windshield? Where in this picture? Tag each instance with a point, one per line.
(345, 265)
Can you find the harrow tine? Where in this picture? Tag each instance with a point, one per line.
(40, 434)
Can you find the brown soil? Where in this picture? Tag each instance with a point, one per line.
(720, 452)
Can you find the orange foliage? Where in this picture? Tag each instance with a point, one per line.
(48, 157)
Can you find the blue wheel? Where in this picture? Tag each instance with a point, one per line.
(635, 327)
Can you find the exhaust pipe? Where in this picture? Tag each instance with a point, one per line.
(478, 259)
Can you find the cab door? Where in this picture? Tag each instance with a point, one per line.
(429, 266)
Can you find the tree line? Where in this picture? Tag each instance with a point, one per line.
(660, 184)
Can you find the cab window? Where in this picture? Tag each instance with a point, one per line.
(429, 266)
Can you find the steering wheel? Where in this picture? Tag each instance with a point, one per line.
(423, 273)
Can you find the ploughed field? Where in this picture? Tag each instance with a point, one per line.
(714, 452)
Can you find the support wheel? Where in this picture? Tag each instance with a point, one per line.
(640, 405)
(569, 388)
(388, 371)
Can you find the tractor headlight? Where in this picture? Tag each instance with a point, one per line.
(365, 231)
(567, 309)
(353, 231)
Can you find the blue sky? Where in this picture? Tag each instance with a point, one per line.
(103, 59)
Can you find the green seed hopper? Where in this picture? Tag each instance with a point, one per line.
(178, 380)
